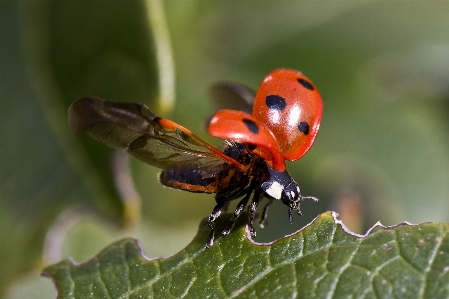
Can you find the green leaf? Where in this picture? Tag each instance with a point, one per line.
(322, 260)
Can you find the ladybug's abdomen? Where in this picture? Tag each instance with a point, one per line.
(208, 179)
(192, 181)
(291, 106)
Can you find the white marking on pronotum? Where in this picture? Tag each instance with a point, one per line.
(275, 190)
(292, 193)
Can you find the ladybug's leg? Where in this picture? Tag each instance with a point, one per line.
(237, 212)
(263, 218)
(252, 211)
(219, 208)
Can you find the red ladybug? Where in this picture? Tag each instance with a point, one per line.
(284, 123)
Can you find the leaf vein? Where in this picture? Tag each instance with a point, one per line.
(432, 259)
(295, 282)
(72, 286)
(102, 280)
(166, 274)
(128, 276)
(262, 274)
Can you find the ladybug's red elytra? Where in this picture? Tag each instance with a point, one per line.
(285, 119)
(290, 105)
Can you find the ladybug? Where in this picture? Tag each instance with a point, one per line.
(283, 124)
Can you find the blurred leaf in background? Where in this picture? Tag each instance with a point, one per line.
(57, 51)
(382, 153)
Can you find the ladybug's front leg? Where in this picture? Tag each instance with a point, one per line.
(252, 211)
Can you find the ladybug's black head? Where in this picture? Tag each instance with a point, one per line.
(281, 186)
(291, 196)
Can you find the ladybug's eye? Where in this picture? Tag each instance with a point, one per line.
(305, 83)
(303, 127)
(275, 102)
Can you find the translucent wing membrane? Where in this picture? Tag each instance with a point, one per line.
(151, 139)
(230, 95)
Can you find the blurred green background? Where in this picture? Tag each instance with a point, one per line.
(382, 154)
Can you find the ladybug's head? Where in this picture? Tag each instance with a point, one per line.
(281, 186)
(291, 195)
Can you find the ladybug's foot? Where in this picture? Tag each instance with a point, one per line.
(251, 230)
(228, 229)
(219, 208)
(263, 218)
(210, 240)
(237, 212)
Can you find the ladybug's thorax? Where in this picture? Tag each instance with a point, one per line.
(254, 167)
(234, 181)
(291, 106)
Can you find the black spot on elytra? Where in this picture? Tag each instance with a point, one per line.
(305, 83)
(303, 127)
(275, 102)
(252, 126)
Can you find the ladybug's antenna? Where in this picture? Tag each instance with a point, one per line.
(315, 199)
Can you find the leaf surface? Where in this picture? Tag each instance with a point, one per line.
(322, 260)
